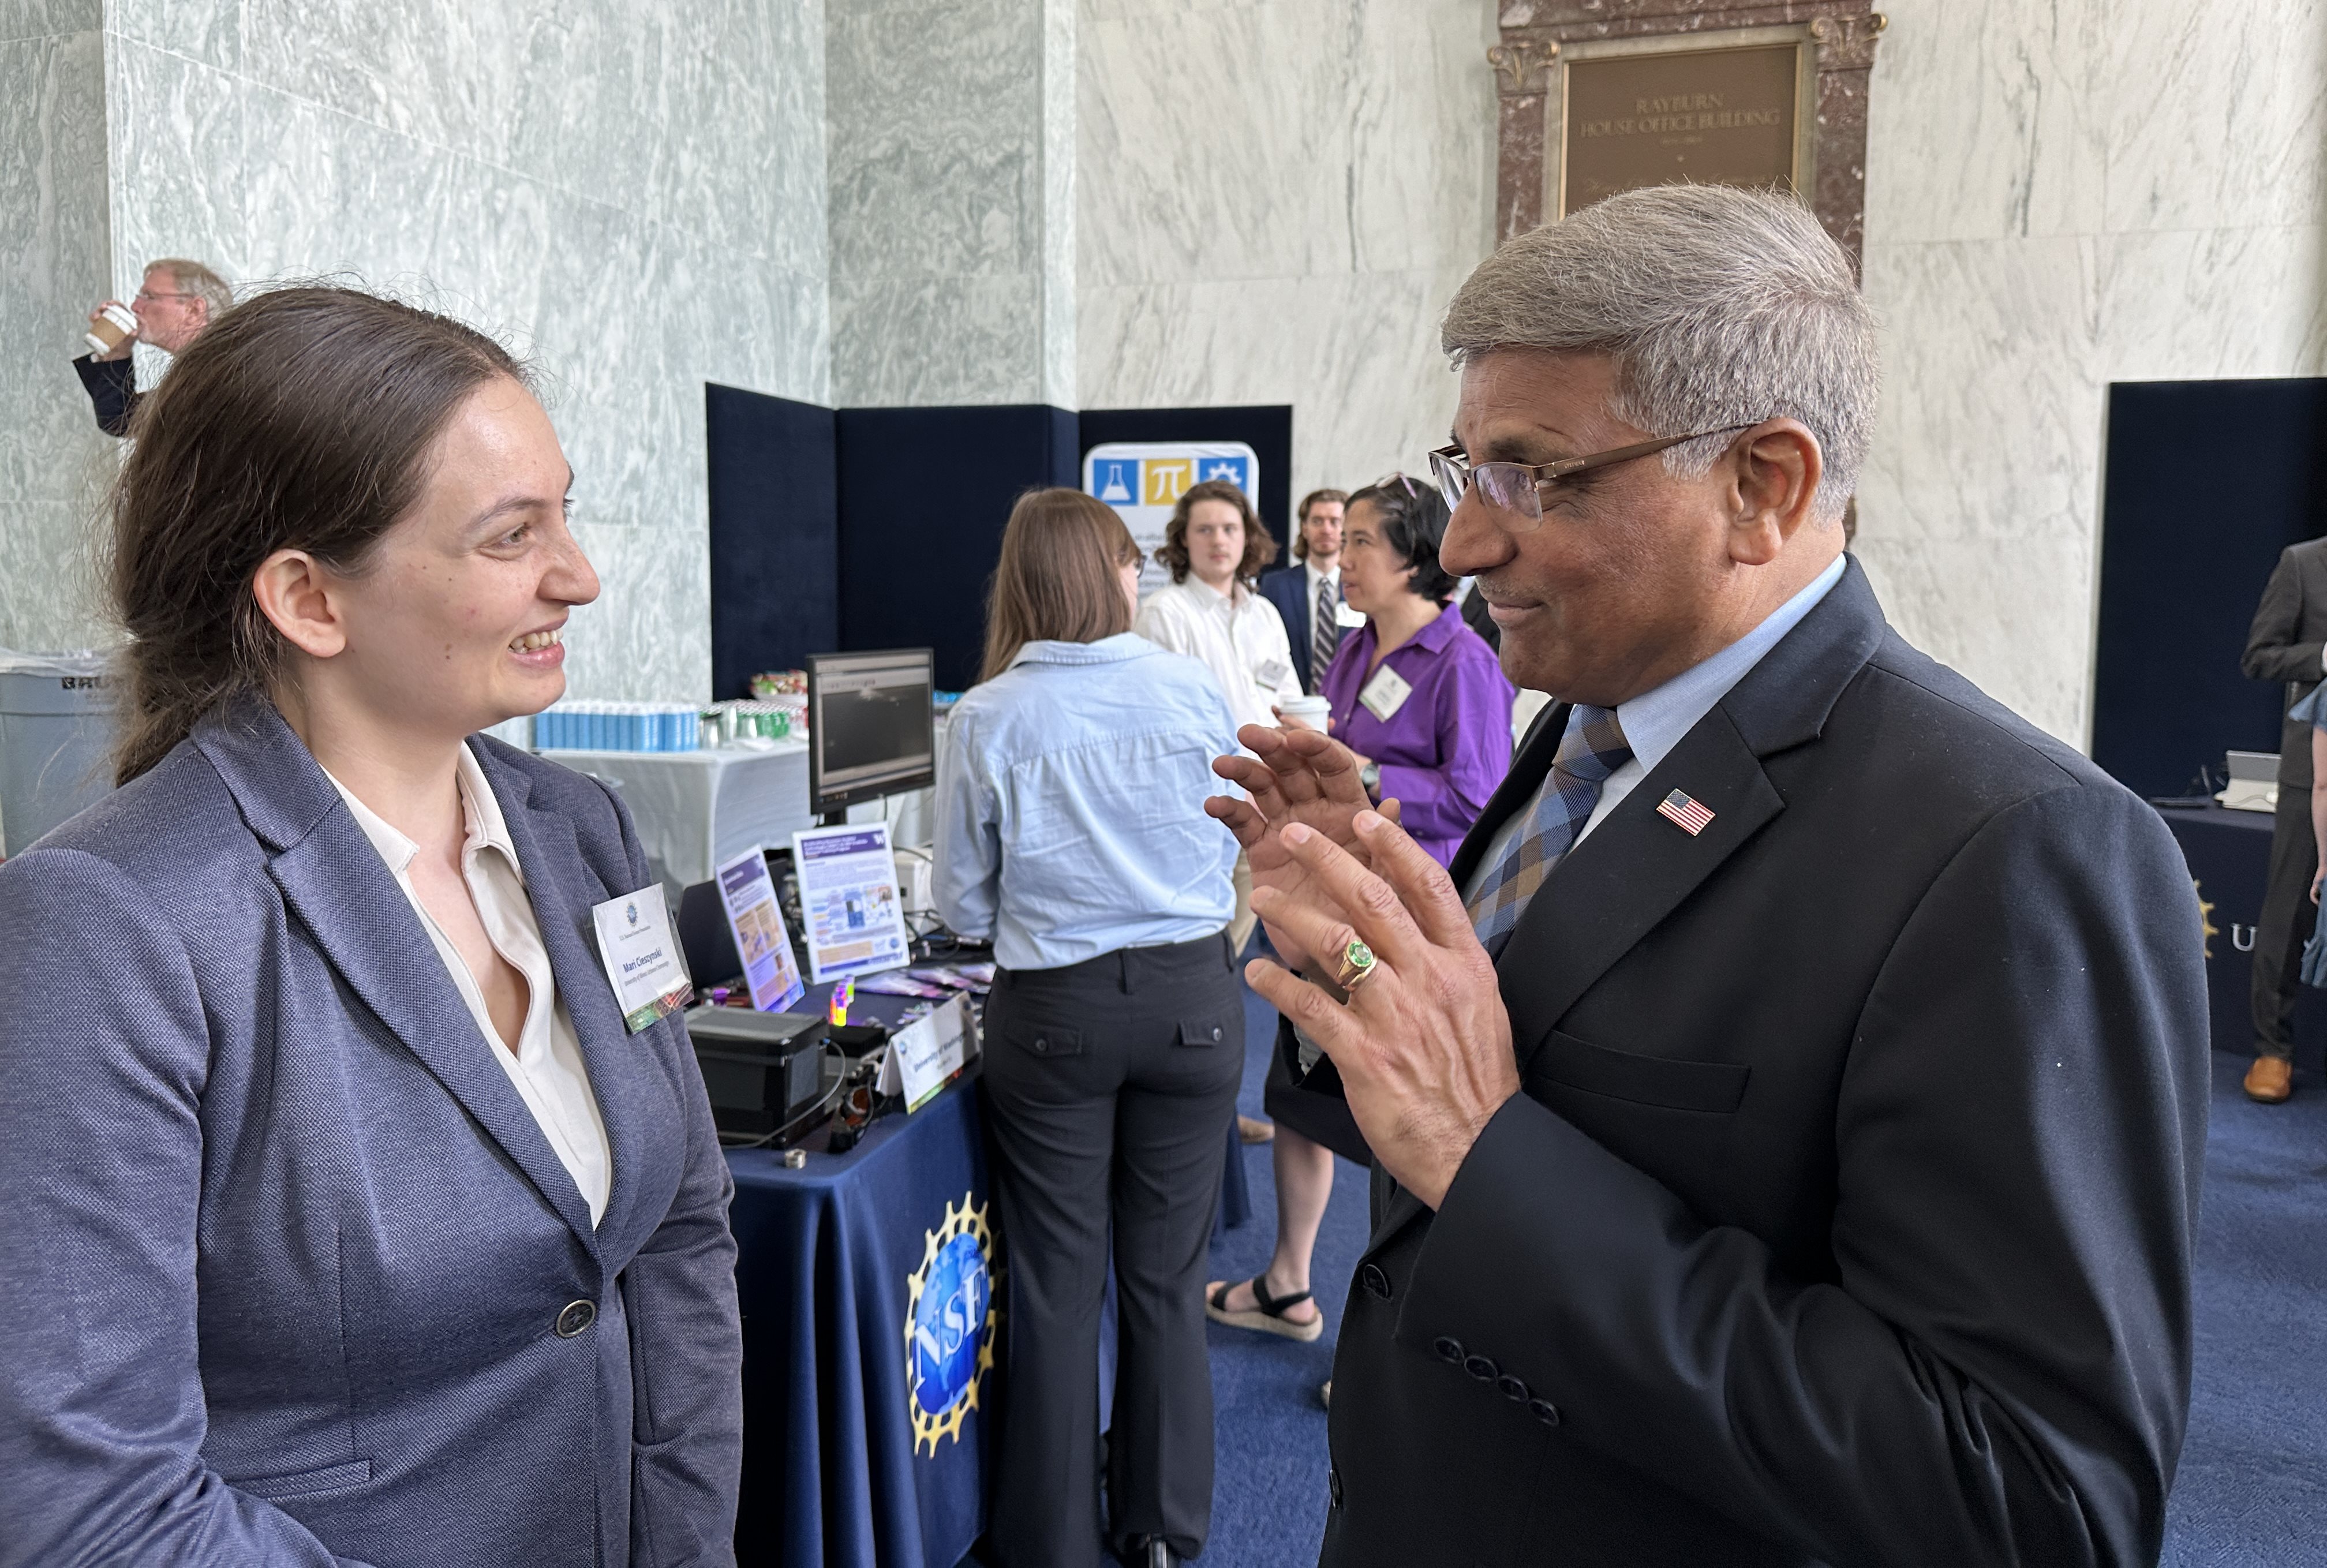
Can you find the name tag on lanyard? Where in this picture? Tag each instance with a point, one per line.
(1385, 694)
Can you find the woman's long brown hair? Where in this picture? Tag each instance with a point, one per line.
(1060, 578)
(300, 419)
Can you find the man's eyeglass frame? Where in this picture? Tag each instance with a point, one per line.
(1516, 488)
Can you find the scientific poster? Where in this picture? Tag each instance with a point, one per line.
(848, 900)
(757, 924)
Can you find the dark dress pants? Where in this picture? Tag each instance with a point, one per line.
(1109, 1088)
(2288, 919)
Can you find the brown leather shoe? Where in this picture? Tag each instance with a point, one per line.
(2271, 1080)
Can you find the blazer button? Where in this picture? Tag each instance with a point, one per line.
(1216, 1033)
(1484, 1370)
(575, 1319)
(1333, 1486)
(1512, 1389)
(1449, 1351)
(1377, 1283)
(1545, 1411)
(1042, 1044)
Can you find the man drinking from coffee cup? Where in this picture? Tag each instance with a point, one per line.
(176, 300)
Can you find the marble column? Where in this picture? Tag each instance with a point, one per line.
(55, 239)
(951, 161)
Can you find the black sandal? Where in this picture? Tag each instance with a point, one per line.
(1270, 1318)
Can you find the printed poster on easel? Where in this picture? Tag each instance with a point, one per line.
(757, 923)
(854, 919)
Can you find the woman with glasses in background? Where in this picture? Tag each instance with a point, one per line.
(1419, 698)
(1071, 832)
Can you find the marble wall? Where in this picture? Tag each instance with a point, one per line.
(55, 263)
(952, 159)
(2059, 197)
(633, 196)
(1277, 199)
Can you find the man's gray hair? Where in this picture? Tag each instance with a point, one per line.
(192, 277)
(1720, 306)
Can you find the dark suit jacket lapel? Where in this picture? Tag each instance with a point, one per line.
(1636, 868)
(336, 886)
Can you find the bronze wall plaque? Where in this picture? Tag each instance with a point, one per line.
(1714, 117)
(1547, 48)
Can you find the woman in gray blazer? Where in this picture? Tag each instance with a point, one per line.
(342, 1219)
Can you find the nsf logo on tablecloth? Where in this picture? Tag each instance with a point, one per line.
(949, 1324)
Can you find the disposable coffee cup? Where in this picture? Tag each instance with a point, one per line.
(1304, 713)
(115, 327)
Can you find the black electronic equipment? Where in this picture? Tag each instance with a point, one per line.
(872, 726)
(762, 1070)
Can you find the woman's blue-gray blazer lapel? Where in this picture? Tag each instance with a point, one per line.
(335, 884)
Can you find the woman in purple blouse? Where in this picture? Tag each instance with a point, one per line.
(1416, 695)
(1420, 698)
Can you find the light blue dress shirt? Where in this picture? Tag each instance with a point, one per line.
(1654, 721)
(1070, 796)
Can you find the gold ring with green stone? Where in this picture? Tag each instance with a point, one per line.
(1358, 965)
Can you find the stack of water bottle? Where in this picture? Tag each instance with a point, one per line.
(617, 726)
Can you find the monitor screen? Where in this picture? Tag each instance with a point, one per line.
(871, 727)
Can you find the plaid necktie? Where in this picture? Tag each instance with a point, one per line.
(1324, 633)
(1592, 748)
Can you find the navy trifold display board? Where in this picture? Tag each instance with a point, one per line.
(774, 534)
(924, 493)
(2206, 482)
(860, 528)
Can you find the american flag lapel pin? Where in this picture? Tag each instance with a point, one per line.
(1684, 813)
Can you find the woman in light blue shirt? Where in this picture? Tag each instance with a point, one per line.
(1070, 831)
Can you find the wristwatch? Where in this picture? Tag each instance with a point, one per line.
(1371, 777)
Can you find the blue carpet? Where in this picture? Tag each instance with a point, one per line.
(2252, 1488)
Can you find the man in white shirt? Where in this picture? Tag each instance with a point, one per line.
(1308, 596)
(1214, 546)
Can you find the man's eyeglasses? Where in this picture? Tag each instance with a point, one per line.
(1515, 489)
(149, 296)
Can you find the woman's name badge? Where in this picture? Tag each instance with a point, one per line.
(642, 957)
(1385, 694)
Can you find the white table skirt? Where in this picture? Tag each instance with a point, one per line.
(695, 810)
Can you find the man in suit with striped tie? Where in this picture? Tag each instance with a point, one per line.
(1788, 1113)
(1308, 594)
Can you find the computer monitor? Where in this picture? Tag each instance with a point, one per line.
(871, 730)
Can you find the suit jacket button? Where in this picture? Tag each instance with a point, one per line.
(577, 1317)
(1333, 1486)
(1216, 1032)
(1545, 1411)
(1040, 1045)
(1450, 1351)
(1377, 1283)
(1484, 1370)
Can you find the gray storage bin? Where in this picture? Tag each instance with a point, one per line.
(56, 734)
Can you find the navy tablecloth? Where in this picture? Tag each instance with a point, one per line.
(867, 1281)
(843, 1464)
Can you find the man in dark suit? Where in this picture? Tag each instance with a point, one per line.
(2288, 643)
(1307, 593)
(1788, 1115)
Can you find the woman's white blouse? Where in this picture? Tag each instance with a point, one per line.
(547, 1066)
